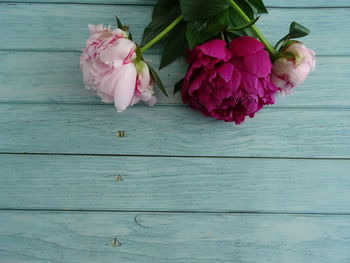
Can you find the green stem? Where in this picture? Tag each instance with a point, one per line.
(256, 31)
(162, 34)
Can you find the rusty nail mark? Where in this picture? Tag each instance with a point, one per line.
(118, 178)
(120, 134)
(115, 243)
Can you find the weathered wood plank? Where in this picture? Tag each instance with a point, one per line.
(174, 184)
(308, 3)
(172, 131)
(63, 26)
(269, 3)
(162, 238)
(58, 79)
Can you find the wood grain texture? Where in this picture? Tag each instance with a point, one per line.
(58, 80)
(64, 26)
(163, 238)
(170, 130)
(269, 3)
(174, 184)
(40, 42)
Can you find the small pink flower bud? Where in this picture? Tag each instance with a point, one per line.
(293, 66)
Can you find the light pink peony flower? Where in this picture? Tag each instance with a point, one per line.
(289, 72)
(110, 70)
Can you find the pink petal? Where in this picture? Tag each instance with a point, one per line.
(107, 84)
(95, 28)
(144, 77)
(125, 88)
(99, 69)
(116, 54)
(282, 83)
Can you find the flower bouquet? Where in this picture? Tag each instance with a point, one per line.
(233, 70)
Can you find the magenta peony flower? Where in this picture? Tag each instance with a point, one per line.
(229, 83)
(110, 70)
(292, 68)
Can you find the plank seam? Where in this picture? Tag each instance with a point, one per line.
(72, 3)
(70, 51)
(178, 156)
(81, 103)
(147, 53)
(180, 105)
(177, 212)
(152, 4)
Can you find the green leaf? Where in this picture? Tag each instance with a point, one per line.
(258, 6)
(138, 54)
(287, 55)
(178, 86)
(196, 33)
(155, 27)
(174, 46)
(130, 36)
(208, 18)
(233, 35)
(281, 41)
(286, 44)
(200, 10)
(119, 23)
(166, 7)
(235, 20)
(218, 23)
(246, 7)
(243, 26)
(297, 30)
(157, 79)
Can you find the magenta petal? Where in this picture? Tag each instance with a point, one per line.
(222, 93)
(249, 83)
(260, 88)
(215, 48)
(245, 46)
(203, 97)
(252, 105)
(235, 80)
(258, 64)
(197, 82)
(225, 71)
(198, 64)
(230, 89)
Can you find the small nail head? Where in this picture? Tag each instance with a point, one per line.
(115, 243)
(118, 178)
(120, 134)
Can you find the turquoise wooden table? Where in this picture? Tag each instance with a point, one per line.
(179, 187)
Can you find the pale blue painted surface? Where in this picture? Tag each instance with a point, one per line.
(173, 184)
(48, 86)
(269, 3)
(163, 237)
(174, 131)
(181, 194)
(63, 27)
